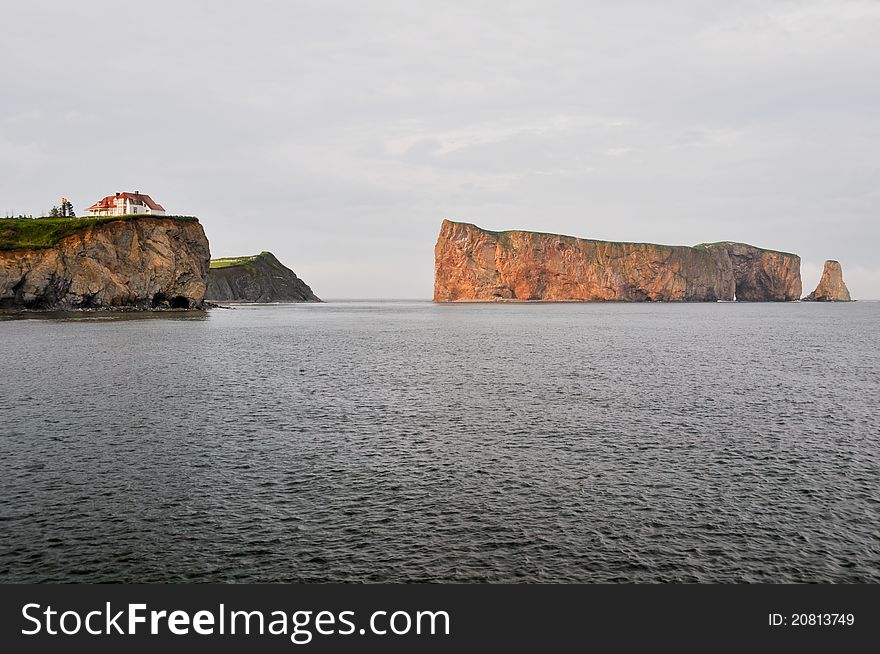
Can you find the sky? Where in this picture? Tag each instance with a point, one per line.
(338, 135)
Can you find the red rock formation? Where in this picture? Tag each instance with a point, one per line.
(473, 264)
(148, 262)
(831, 287)
(762, 275)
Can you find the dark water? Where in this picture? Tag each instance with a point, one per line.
(412, 442)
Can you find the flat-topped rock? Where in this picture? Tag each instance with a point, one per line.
(478, 265)
(109, 262)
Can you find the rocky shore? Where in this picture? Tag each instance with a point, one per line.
(128, 263)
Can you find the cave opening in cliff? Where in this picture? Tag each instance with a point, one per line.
(180, 302)
(158, 300)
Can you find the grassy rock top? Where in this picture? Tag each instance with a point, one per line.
(229, 262)
(503, 236)
(730, 244)
(36, 233)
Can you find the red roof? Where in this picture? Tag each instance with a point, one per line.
(136, 198)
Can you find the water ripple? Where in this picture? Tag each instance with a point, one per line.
(411, 442)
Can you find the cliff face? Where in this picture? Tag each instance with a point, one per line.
(473, 264)
(260, 278)
(143, 263)
(831, 287)
(761, 275)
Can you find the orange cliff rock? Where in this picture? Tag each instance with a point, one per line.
(145, 263)
(474, 264)
(831, 287)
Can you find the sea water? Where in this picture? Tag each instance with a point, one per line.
(406, 441)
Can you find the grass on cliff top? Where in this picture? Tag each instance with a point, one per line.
(19, 234)
(503, 235)
(229, 262)
(721, 244)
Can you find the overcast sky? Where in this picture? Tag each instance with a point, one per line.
(339, 134)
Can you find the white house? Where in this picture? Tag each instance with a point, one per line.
(123, 204)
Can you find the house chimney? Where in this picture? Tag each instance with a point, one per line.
(137, 192)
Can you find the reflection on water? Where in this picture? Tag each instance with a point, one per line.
(106, 316)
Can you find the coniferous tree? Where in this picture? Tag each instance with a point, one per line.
(54, 213)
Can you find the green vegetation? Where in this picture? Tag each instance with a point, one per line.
(709, 246)
(17, 233)
(229, 262)
(504, 238)
(726, 244)
(64, 211)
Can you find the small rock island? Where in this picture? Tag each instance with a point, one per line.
(477, 265)
(138, 261)
(260, 278)
(831, 287)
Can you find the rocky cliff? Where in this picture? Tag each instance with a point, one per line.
(474, 264)
(258, 278)
(142, 262)
(831, 287)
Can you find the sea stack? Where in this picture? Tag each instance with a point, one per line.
(259, 278)
(477, 265)
(831, 287)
